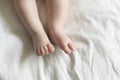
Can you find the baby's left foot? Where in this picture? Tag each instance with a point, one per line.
(62, 40)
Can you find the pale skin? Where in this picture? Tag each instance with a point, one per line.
(57, 13)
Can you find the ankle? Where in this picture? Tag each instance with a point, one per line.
(36, 32)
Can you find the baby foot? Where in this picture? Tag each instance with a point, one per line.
(41, 43)
(62, 40)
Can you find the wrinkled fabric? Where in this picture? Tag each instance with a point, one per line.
(94, 26)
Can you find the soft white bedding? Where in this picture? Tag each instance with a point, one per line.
(94, 25)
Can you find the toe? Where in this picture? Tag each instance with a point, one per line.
(71, 46)
(46, 50)
(50, 48)
(66, 49)
(38, 52)
(42, 51)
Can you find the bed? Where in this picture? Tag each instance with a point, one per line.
(94, 26)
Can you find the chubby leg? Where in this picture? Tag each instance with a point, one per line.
(57, 13)
(27, 11)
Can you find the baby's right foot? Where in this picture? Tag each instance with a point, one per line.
(41, 43)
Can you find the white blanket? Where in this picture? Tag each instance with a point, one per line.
(94, 26)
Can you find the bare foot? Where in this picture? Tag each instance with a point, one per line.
(62, 40)
(41, 43)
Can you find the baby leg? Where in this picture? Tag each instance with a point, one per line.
(57, 13)
(27, 11)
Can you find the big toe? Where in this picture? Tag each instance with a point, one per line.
(66, 49)
(71, 46)
(50, 48)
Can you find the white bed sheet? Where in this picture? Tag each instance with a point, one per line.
(94, 26)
